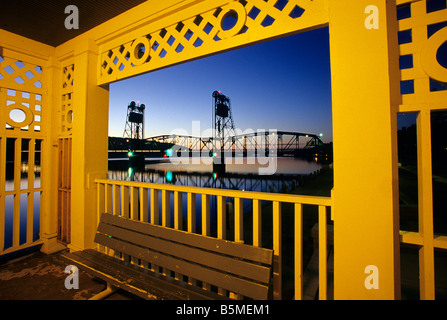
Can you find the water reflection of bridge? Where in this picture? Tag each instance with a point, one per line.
(235, 181)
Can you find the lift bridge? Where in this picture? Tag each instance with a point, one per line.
(264, 143)
(224, 142)
(268, 143)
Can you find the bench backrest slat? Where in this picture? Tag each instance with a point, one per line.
(193, 254)
(236, 267)
(256, 254)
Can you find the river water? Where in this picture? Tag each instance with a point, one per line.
(249, 174)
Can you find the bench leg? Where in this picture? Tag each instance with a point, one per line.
(104, 294)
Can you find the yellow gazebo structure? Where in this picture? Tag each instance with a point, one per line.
(60, 82)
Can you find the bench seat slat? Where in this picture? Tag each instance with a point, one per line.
(227, 264)
(136, 280)
(247, 252)
(225, 281)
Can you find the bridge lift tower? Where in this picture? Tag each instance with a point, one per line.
(223, 129)
(134, 132)
(134, 128)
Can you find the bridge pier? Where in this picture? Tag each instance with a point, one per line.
(219, 167)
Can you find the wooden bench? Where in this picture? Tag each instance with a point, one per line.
(213, 263)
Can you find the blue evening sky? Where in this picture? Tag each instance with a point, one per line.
(281, 84)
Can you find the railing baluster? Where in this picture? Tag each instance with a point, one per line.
(144, 216)
(191, 222)
(16, 210)
(125, 202)
(178, 210)
(178, 219)
(116, 211)
(277, 254)
(221, 217)
(154, 206)
(154, 218)
(100, 200)
(29, 217)
(425, 207)
(205, 215)
(134, 203)
(2, 191)
(116, 200)
(125, 210)
(221, 226)
(322, 252)
(108, 207)
(257, 223)
(298, 251)
(206, 225)
(166, 208)
(238, 220)
(165, 219)
(191, 212)
(30, 197)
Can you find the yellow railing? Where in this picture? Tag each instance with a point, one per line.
(415, 238)
(20, 196)
(426, 247)
(141, 201)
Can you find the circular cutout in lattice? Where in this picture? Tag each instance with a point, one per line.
(140, 51)
(441, 55)
(18, 116)
(70, 116)
(232, 20)
(229, 20)
(429, 60)
(69, 119)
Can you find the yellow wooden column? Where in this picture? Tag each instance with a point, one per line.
(365, 89)
(49, 155)
(90, 143)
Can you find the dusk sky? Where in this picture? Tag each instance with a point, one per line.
(282, 84)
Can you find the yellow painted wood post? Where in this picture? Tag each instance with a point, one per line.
(365, 96)
(221, 218)
(191, 215)
(2, 183)
(277, 249)
(205, 215)
(144, 214)
(178, 210)
(425, 199)
(298, 251)
(166, 208)
(125, 202)
(257, 223)
(108, 208)
(322, 253)
(238, 220)
(49, 159)
(90, 143)
(154, 206)
(134, 203)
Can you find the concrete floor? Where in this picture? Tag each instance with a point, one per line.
(38, 276)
